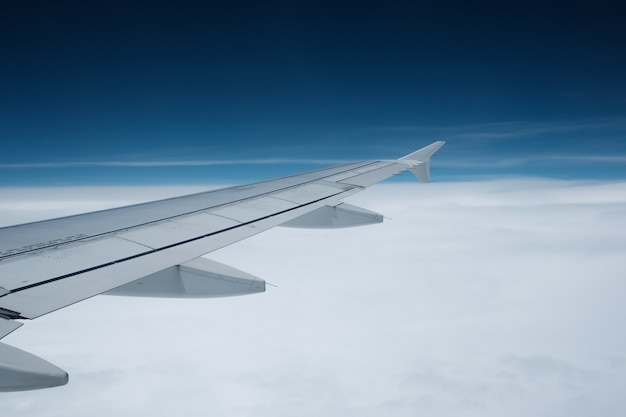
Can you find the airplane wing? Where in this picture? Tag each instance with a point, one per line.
(154, 249)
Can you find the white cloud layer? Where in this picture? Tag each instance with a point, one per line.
(478, 299)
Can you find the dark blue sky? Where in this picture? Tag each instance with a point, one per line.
(515, 89)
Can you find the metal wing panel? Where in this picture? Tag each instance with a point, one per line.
(310, 192)
(65, 290)
(61, 291)
(49, 233)
(359, 170)
(172, 231)
(32, 269)
(367, 178)
(78, 258)
(249, 210)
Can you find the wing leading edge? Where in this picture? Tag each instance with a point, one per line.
(154, 249)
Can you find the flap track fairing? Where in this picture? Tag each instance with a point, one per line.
(198, 278)
(335, 217)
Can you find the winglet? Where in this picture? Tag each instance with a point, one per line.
(420, 160)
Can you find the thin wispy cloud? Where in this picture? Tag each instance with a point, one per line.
(465, 162)
(512, 129)
(177, 163)
(496, 162)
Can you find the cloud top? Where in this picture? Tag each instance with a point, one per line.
(478, 298)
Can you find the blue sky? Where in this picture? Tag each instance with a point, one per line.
(92, 92)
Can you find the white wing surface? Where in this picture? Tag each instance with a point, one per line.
(154, 249)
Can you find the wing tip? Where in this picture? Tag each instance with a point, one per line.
(419, 161)
(424, 154)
